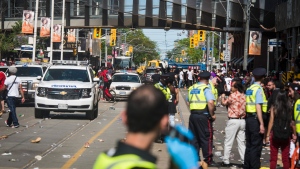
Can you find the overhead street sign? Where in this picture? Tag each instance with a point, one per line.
(274, 42)
(203, 48)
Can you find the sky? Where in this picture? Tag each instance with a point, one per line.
(165, 39)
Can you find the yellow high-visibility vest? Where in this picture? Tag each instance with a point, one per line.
(214, 91)
(297, 115)
(251, 99)
(166, 91)
(126, 161)
(197, 98)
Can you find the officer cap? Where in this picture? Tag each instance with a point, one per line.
(259, 72)
(204, 75)
(295, 86)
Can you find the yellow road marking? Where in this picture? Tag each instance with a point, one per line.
(75, 157)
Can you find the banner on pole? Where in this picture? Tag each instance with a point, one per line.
(255, 43)
(45, 27)
(27, 25)
(71, 35)
(56, 37)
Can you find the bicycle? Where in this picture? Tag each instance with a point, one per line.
(109, 94)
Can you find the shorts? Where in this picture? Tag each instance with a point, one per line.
(266, 119)
(2, 96)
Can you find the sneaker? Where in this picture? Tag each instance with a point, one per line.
(225, 165)
(7, 124)
(17, 126)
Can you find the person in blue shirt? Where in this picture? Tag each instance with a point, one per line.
(256, 105)
(201, 102)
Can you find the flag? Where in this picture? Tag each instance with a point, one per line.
(71, 35)
(27, 25)
(45, 27)
(56, 37)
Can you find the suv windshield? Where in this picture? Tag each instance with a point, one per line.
(126, 78)
(67, 74)
(150, 70)
(29, 71)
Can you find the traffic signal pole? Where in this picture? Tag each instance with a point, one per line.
(63, 32)
(105, 48)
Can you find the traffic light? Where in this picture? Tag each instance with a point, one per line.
(196, 40)
(112, 42)
(176, 59)
(97, 33)
(113, 37)
(75, 52)
(221, 56)
(130, 49)
(192, 45)
(180, 59)
(201, 35)
(127, 53)
(182, 52)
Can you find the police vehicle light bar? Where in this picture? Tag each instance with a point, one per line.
(70, 62)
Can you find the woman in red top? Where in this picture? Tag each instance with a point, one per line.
(103, 76)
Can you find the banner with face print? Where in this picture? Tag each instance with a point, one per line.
(255, 43)
(56, 37)
(27, 25)
(45, 27)
(71, 35)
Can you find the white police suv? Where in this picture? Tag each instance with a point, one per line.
(67, 88)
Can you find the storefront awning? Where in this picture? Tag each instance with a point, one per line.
(238, 60)
(249, 59)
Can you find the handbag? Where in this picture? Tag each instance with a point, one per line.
(5, 92)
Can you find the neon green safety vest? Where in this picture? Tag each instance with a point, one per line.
(166, 90)
(126, 161)
(197, 98)
(250, 99)
(297, 115)
(214, 91)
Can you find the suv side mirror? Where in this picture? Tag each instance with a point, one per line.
(96, 79)
(39, 78)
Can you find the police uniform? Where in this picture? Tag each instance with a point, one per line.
(125, 157)
(199, 121)
(254, 140)
(296, 88)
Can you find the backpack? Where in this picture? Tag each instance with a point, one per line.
(281, 129)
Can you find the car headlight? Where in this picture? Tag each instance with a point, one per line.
(133, 88)
(41, 91)
(35, 85)
(86, 93)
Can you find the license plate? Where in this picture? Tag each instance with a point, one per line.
(62, 106)
(122, 93)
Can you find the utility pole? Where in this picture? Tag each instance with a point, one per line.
(105, 48)
(35, 29)
(227, 36)
(63, 31)
(247, 19)
(208, 48)
(51, 40)
(220, 41)
(212, 50)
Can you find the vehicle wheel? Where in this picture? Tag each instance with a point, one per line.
(38, 114)
(114, 95)
(96, 111)
(90, 115)
(46, 114)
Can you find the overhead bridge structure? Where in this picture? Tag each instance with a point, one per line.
(155, 14)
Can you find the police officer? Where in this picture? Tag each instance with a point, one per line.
(212, 85)
(256, 104)
(201, 102)
(146, 115)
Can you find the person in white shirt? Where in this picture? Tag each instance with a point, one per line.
(13, 85)
(228, 83)
(180, 78)
(190, 77)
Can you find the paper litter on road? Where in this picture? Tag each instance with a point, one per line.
(87, 145)
(6, 154)
(37, 140)
(13, 160)
(3, 137)
(66, 156)
(218, 153)
(38, 157)
(100, 140)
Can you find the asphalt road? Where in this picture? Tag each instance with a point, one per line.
(64, 138)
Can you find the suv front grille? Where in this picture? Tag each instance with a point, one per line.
(26, 85)
(123, 88)
(63, 94)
